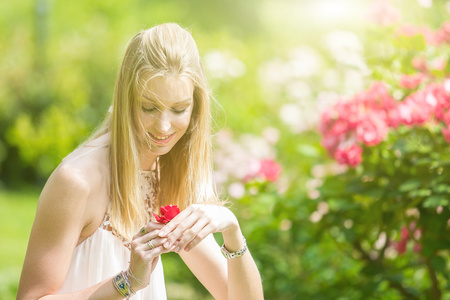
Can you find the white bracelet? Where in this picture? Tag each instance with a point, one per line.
(229, 255)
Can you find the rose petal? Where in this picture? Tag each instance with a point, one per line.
(164, 209)
(172, 212)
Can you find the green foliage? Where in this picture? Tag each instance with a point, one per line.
(59, 63)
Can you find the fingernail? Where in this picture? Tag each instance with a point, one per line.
(161, 233)
(166, 245)
(177, 249)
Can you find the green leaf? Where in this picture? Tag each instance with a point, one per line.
(410, 185)
(435, 201)
(419, 193)
(438, 263)
(307, 150)
(416, 42)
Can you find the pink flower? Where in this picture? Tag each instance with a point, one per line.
(383, 13)
(446, 117)
(372, 129)
(380, 98)
(438, 64)
(363, 118)
(168, 212)
(420, 63)
(400, 246)
(351, 155)
(411, 81)
(330, 142)
(446, 134)
(270, 170)
(417, 108)
(437, 97)
(408, 30)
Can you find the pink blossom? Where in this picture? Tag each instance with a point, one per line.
(411, 81)
(400, 246)
(362, 118)
(417, 109)
(383, 13)
(446, 118)
(372, 129)
(408, 30)
(420, 63)
(339, 127)
(351, 155)
(446, 134)
(378, 97)
(438, 94)
(330, 142)
(438, 64)
(393, 118)
(270, 170)
(417, 247)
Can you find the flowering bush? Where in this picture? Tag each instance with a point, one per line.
(390, 209)
(365, 119)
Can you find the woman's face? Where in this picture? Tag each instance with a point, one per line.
(166, 111)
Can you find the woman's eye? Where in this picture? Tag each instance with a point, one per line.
(148, 109)
(179, 111)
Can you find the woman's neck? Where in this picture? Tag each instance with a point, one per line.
(148, 161)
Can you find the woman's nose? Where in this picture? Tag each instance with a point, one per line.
(162, 123)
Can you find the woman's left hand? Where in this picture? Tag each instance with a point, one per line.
(195, 223)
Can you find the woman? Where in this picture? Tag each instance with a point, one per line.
(94, 236)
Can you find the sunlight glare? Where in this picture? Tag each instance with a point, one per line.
(333, 10)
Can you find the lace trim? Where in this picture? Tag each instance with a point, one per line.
(149, 188)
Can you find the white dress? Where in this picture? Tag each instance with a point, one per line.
(105, 253)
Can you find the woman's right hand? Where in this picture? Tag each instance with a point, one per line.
(146, 247)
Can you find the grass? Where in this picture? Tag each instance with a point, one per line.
(16, 215)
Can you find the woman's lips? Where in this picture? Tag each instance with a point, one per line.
(161, 139)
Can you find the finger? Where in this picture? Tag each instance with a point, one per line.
(179, 231)
(155, 252)
(192, 233)
(153, 243)
(168, 228)
(150, 226)
(207, 230)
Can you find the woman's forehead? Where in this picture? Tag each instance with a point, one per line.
(168, 90)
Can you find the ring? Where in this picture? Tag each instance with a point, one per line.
(150, 244)
(143, 231)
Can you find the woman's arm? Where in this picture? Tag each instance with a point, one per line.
(60, 218)
(236, 278)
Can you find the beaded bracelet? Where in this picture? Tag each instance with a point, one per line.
(122, 284)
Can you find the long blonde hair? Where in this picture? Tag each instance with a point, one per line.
(185, 172)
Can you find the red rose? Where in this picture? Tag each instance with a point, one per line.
(168, 212)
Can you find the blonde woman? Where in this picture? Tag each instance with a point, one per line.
(94, 236)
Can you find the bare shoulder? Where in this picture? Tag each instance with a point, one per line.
(68, 207)
(80, 182)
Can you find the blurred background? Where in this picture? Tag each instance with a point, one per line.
(340, 195)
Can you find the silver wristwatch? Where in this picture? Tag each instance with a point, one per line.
(229, 255)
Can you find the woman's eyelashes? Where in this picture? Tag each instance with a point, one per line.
(154, 109)
(148, 109)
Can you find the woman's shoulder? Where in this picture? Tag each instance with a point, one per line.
(81, 174)
(88, 163)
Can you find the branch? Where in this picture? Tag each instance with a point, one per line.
(435, 291)
(392, 283)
